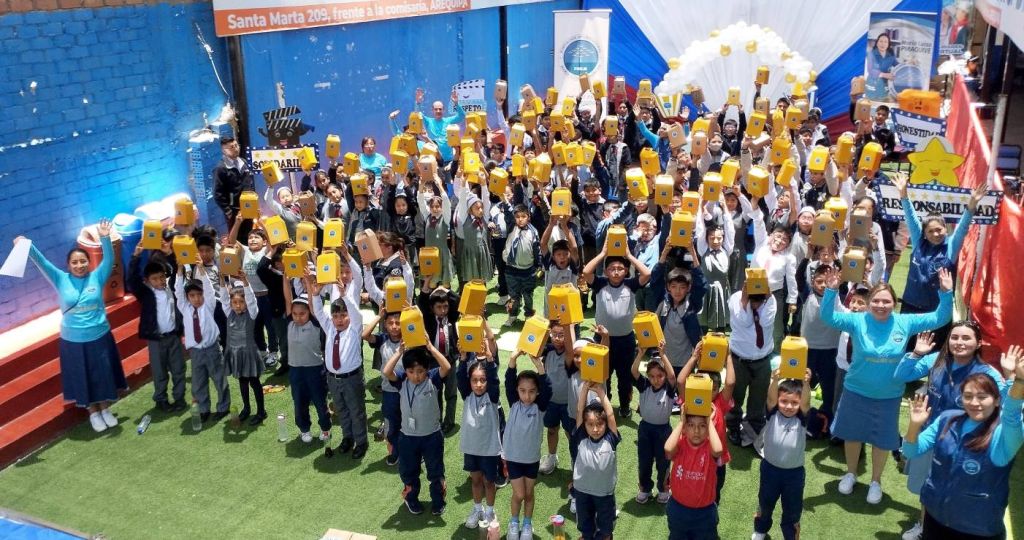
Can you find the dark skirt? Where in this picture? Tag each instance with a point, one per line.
(91, 372)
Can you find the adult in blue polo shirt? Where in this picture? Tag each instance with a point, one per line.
(436, 123)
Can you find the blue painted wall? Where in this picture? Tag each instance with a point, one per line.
(346, 79)
(106, 128)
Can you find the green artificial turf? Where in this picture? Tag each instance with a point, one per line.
(219, 483)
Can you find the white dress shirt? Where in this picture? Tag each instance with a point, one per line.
(350, 341)
(780, 267)
(164, 310)
(207, 325)
(743, 339)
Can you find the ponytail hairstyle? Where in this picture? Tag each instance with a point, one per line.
(981, 437)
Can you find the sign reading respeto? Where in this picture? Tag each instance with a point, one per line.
(238, 17)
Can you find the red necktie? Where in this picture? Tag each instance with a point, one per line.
(336, 364)
(759, 340)
(196, 329)
(441, 343)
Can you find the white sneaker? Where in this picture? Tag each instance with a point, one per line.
(914, 533)
(758, 536)
(572, 505)
(96, 419)
(643, 497)
(874, 493)
(548, 463)
(513, 531)
(108, 418)
(527, 532)
(846, 483)
(473, 521)
(306, 437)
(663, 497)
(325, 436)
(270, 359)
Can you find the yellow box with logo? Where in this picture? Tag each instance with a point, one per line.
(334, 233)
(780, 150)
(472, 338)
(616, 243)
(647, 329)
(517, 137)
(761, 105)
(305, 236)
(557, 121)
(184, 247)
(730, 169)
(584, 82)
(573, 154)
(474, 119)
(762, 75)
(711, 187)
(276, 230)
(594, 365)
(249, 205)
(844, 149)
(396, 294)
(610, 126)
(518, 165)
(794, 358)
(757, 281)
(474, 298)
(860, 225)
(599, 90)
(676, 136)
(690, 203)
(793, 118)
(568, 107)
(294, 261)
(529, 120)
(713, 352)
(733, 96)
(818, 159)
(778, 123)
(551, 97)
(360, 184)
(853, 265)
(870, 159)
(564, 304)
(561, 202)
(558, 152)
(271, 172)
(467, 144)
(698, 142)
(307, 158)
(230, 261)
(497, 181)
(757, 181)
(350, 163)
(333, 149)
(862, 110)
(636, 182)
(414, 334)
(589, 152)
(184, 212)
(415, 122)
(839, 209)
(328, 267)
(699, 395)
(452, 134)
(153, 234)
(534, 336)
(644, 88)
(700, 124)
(786, 172)
(664, 189)
(540, 168)
(822, 230)
(430, 261)
(650, 162)
(400, 162)
(681, 234)
(470, 162)
(755, 125)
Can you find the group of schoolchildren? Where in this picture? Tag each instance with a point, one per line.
(319, 331)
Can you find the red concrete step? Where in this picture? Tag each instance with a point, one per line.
(11, 367)
(28, 391)
(44, 423)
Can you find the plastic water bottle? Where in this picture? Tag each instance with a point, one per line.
(282, 427)
(144, 424)
(235, 422)
(197, 421)
(557, 527)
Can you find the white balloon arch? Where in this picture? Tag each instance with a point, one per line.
(761, 42)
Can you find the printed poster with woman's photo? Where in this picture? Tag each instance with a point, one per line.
(900, 54)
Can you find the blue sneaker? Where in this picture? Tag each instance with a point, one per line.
(414, 507)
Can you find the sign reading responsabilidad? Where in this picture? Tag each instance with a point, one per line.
(238, 17)
(950, 202)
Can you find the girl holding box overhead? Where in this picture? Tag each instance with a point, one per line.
(616, 308)
(241, 357)
(90, 365)
(479, 438)
(595, 471)
(868, 410)
(657, 396)
(470, 215)
(436, 208)
(528, 394)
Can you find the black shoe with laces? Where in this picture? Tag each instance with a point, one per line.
(391, 461)
(345, 446)
(359, 451)
(258, 418)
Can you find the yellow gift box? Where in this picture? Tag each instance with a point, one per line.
(271, 172)
(650, 162)
(664, 188)
(534, 336)
(610, 125)
(730, 169)
(328, 267)
(594, 365)
(474, 298)
(822, 230)
(400, 162)
(757, 181)
(793, 118)
(415, 122)
(184, 212)
(184, 249)
(844, 149)
(360, 184)
(862, 110)
(838, 207)
(780, 150)
(414, 334)
(794, 358)
(540, 168)
(350, 164)
(700, 124)
(870, 159)
(755, 124)
(230, 262)
(690, 203)
(568, 106)
(584, 82)
(698, 143)
(551, 97)
(471, 334)
(757, 281)
(636, 181)
(683, 224)
(778, 123)
(294, 261)
(853, 265)
(647, 329)
(761, 105)
(733, 97)
(699, 395)
(153, 234)
(518, 165)
(573, 154)
(518, 136)
(276, 230)
(497, 181)
(713, 352)
(589, 152)
(334, 233)
(599, 90)
(786, 172)
(395, 294)
(470, 162)
(530, 120)
(860, 225)
(818, 159)
(561, 202)
(558, 152)
(564, 304)
(676, 136)
(249, 205)
(557, 121)
(762, 75)
(305, 236)
(307, 158)
(333, 149)
(368, 246)
(711, 187)
(430, 261)
(616, 243)
(407, 144)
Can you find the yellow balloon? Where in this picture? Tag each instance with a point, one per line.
(715, 32)
(786, 55)
(790, 78)
(813, 76)
(673, 63)
(752, 46)
(766, 29)
(725, 50)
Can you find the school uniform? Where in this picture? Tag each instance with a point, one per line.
(202, 340)
(525, 427)
(553, 275)
(160, 326)
(782, 443)
(479, 440)
(594, 475)
(522, 256)
(343, 358)
(721, 407)
(443, 334)
(421, 440)
(390, 408)
(653, 431)
(680, 322)
(306, 375)
(273, 280)
(751, 347)
(557, 411)
(822, 348)
(503, 219)
(616, 307)
(692, 512)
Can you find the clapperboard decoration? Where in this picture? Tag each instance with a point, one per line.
(472, 95)
(282, 131)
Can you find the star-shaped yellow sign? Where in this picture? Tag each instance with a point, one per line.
(936, 163)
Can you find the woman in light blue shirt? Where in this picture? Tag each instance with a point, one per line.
(369, 159)
(90, 365)
(868, 411)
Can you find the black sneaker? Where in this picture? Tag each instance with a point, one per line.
(448, 426)
(439, 509)
(179, 405)
(625, 412)
(414, 507)
(164, 406)
(345, 446)
(258, 418)
(203, 417)
(244, 414)
(501, 480)
(381, 433)
(734, 437)
(391, 461)
(359, 451)
(218, 416)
